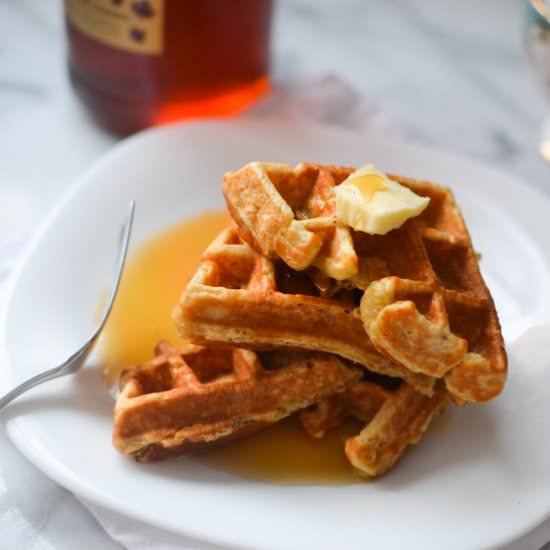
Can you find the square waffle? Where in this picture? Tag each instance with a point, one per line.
(243, 299)
(422, 299)
(192, 397)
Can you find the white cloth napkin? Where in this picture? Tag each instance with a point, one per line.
(37, 514)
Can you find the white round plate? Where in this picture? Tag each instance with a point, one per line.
(480, 483)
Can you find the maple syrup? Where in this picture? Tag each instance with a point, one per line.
(136, 63)
(154, 277)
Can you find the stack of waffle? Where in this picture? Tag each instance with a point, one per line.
(290, 310)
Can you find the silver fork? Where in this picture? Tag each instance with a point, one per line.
(76, 360)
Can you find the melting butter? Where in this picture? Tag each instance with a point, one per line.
(369, 201)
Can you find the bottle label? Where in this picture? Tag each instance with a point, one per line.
(131, 25)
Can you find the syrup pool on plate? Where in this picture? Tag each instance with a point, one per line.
(153, 280)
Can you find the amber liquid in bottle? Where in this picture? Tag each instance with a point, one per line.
(137, 63)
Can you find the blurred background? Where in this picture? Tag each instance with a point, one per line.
(453, 75)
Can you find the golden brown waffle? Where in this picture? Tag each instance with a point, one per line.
(362, 400)
(291, 214)
(433, 312)
(192, 397)
(395, 419)
(424, 303)
(240, 298)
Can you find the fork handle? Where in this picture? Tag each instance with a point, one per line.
(28, 384)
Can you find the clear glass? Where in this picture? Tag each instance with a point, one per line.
(538, 47)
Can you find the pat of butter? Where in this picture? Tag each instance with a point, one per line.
(369, 201)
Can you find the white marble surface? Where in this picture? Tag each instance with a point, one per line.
(448, 73)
